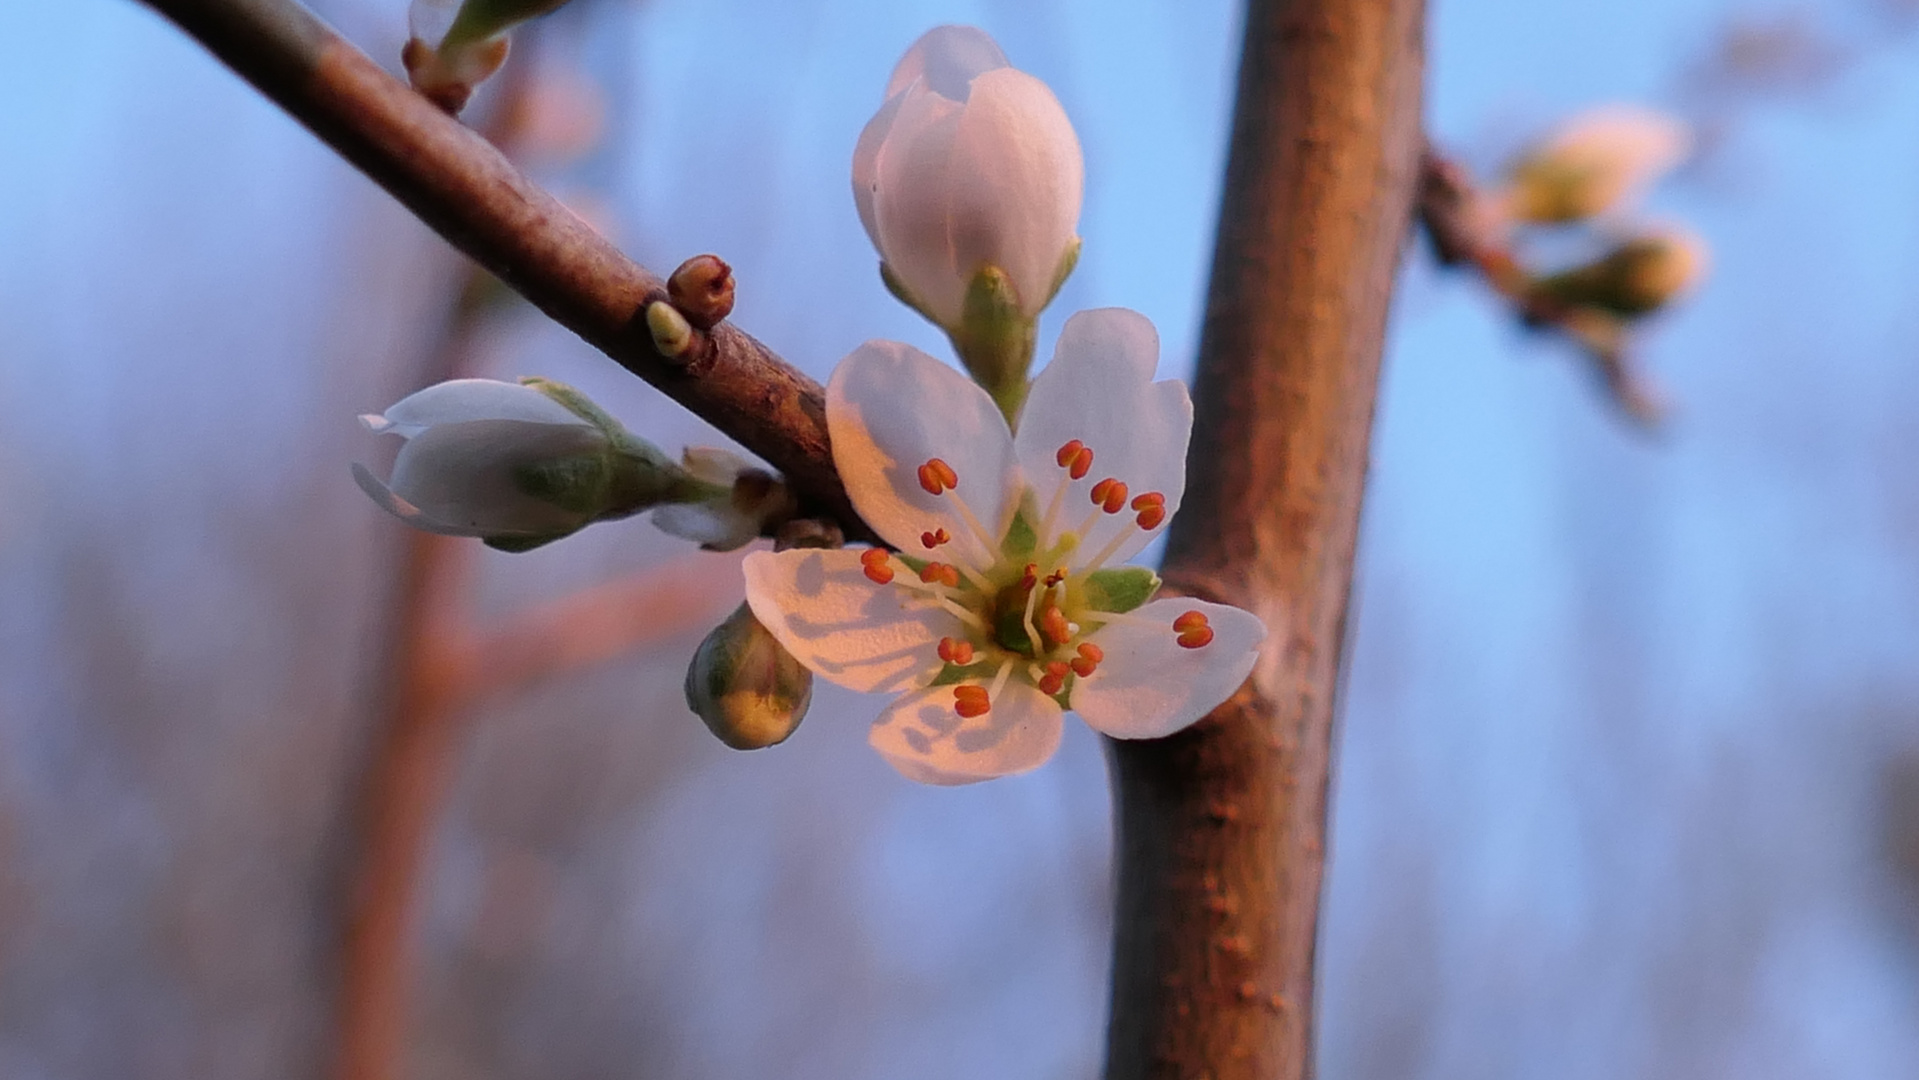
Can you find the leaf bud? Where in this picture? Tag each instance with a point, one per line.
(702, 290)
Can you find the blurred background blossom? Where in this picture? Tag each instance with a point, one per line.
(1629, 770)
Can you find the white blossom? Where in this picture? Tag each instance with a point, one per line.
(1597, 162)
(969, 164)
(1007, 600)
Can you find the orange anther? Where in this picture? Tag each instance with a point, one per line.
(1030, 577)
(941, 573)
(1088, 659)
(931, 540)
(1055, 678)
(1076, 458)
(874, 562)
(1151, 498)
(937, 476)
(1152, 517)
(1092, 652)
(1053, 625)
(1193, 630)
(956, 652)
(970, 700)
(1110, 495)
(1056, 577)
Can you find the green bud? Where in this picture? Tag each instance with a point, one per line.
(479, 20)
(995, 339)
(748, 689)
(1638, 277)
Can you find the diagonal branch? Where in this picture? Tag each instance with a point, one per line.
(469, 193)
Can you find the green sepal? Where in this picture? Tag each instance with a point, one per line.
(995, 339)
(915, 565)
(574, 402)
(482, 19)
(518, 544)
(576, 483)
(903, 294)
(1068, 260)
(953, 673)
(1020, 539)
(1119, 589)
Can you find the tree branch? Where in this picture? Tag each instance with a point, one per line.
(1222, 827)
(469, 193)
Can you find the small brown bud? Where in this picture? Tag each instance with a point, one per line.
(702, 290)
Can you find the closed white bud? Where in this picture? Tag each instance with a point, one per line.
(1595, 163)
(515, 464)
(748, 689)
(969, 164)
(1642, 274)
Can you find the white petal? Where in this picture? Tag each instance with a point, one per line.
(1015, 179)
(716, 526)
(465, 474)
(947, 58)
(866, 164)
(913, 193)
(1099, 389)
(461, 400)
(402, 509)
(863, 636)
(922, 737)
(890, 408)
(1149, 685)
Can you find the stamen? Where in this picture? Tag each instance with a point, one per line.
(1193, 630)
(1032, 601)
(1110, 495)
(999, 680)
(873, 560)
(931, 540)
(936, 476)
(1068, 452)
(1054, 680)
(971, 699)
(1152, 510)
(939, 573)
(1111, 549)
(1052, 623)
(1088, 659)
(956, 652)
(1057, 576)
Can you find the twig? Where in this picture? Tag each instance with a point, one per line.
(469, 193)
(1447, 204)
(1222, 827)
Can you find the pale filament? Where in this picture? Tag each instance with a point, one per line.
(999, 680)
(1032, 603)
(1112, 546)
(940, 597)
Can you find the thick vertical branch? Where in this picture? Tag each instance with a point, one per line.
(1222, 827)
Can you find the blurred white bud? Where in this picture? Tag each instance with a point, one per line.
(748, 689)
(971, 164)
(515, 464)
(744, 501)
(1599, 161)
(1642, 274)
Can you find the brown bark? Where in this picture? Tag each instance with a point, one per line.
(1222, 827)
(468, 192)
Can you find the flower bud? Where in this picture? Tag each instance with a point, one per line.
(516, 464)
(748, 689)
(672, 334)
(1596, 162)
(969, 164)
(741, 501)
(702, 290)
(1641, 275)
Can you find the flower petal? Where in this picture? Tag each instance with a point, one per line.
(947, 58)
(848, 630)
(922, 737)
(402, 509)
(866, 165)
(461, 400)
(715, 526)
(469, 474)
(889, 409)
(1015, 180)
(1148, 685)
(914, 188)
(1099, 389)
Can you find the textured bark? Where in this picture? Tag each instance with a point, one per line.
(467, 191)
(1222, 827)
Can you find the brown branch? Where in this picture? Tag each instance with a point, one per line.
(469, 193)
(1222, 827)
